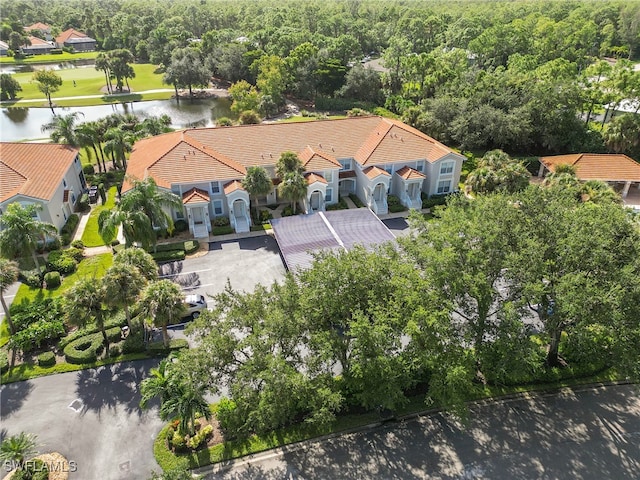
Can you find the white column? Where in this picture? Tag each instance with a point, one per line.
(541, 170)
(625, 190)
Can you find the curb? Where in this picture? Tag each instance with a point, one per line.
(225, 465)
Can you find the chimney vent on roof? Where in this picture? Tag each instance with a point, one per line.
(270, 155)
(320, 145)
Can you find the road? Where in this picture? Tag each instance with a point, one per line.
(92, 417)
(588, 434)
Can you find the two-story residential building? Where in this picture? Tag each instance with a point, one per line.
(41, 173)
(370, 157)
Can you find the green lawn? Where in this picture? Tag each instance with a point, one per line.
(89, 81)
(90, 236)
(4, 333)
(91, 267)
(59, 58)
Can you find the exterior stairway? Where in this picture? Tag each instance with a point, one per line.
(241, 225)
(200, 231)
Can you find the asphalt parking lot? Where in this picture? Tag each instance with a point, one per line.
(244, 263)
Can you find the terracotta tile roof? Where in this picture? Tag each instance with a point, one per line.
(370, 140)
(392, 141)
(37, 42)
(408, 173)
(347, 174)
(594, 166)
(38, 26)
(195, 195)
(373, 172)
(178, 158)
(232, 186)
(33, 169)
(314, 178)
(317, 160)
(70, 33)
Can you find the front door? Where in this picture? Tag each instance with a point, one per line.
(315, 201)
(378, 193)
(238, 208)
(198, 216)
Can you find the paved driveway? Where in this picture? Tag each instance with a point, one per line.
(92, 417)
(245, 263)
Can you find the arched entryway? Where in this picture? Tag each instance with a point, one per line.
(347, 187)
(316, 201)
(240, 210)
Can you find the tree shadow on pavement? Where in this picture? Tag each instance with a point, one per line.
(113, 386)
(12, 396)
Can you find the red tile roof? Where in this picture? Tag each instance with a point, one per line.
(314, 178)
(38, 26)
(195, 195)
(36, 42)
(408, 173)
(370, 140)
(594, 166)
(70, 33)
(33, 169)
(232, 186)
(347, 174)
(373, 172)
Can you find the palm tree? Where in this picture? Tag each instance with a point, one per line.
(482, 180)
(288, 163)
(18, 448)
(597, 191)
(136, 227)
(140, 260)
(22, 231)
(103, 63)
(88, 137)
(162, 302)
(257, 182)
(122, 284)
(564, 175)
(185, 401)
(8, 275)
(118, 144)
(63, 128)
(84, 301)
(294, 188)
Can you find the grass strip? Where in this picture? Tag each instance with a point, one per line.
(91, 237)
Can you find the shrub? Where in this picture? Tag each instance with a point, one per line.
(89, 169)
(34, 469)
(394, 204)
(115, 351)
(221, 221)
(76, 253)
(196, 440)
(79, 244)
(158, 348)
(191, 246)
(178, 442)
(433, 201)
(52, 279)
(83, 203)
(168, 256)
(287, 211)
(46, 359)
(225, 122)
(71, 224)
(249, 117)
(180, 226)
(4, 361)
(85, 349)
(354, 198)
(65, 238)
(134, 343)
(31, 278)
(341, 205)
(265, 216)
(222, 230)
(59, 261)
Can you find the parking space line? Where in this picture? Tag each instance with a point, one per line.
(184, 273)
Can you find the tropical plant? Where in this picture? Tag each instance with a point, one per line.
(294, 188)
(136, 227)
(496, 171)
(117, 144)
(8, 275)
(139, 259)
(122, 284)
(257, 183)
(85, 301)
(48, 82)
(63, 128)
(22, 231)
(17, 448)
(288, 163)
(163, 303)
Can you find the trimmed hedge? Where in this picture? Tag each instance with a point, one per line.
(52, 279)
(59, 261)
(87, 348)
(191, 246)
(169, 256)
(118, 320)
(134, 343)
(434, 200)
(180, 226)
(354, 198)
(46, 359)
(4, 361)
(222, 230)
(158, 348)
(71, 224)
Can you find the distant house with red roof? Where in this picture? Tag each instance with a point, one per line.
(370, 157)
(618, 170)
(43, 28)
(77, 40)
(37, 46)
(46, 174)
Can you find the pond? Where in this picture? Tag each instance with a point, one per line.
(19, 123)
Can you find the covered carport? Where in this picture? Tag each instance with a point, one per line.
(299, 237)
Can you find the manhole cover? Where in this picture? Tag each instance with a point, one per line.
(76, 405)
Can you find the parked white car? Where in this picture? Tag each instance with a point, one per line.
(194, 305)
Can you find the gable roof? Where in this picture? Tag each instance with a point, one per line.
(594, 166)
(317, 160)
(232, 186)
(195, 195)
(38, 26)
(37, 43)
(314, 178)
(408, 173)
(370, 140)
(373, 172)
(177, 158)
(33, 169)
(72, 34)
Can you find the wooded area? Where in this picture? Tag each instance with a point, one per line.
(521, 76)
